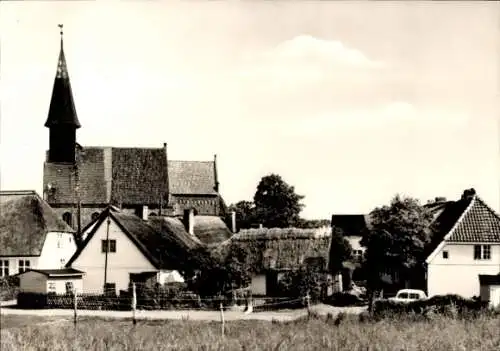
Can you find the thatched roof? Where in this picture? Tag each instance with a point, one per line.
(25, 220)
(281, 249)
(161, 240)
(211, 230)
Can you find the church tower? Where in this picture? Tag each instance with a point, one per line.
(62, 120)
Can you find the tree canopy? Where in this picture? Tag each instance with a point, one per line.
(276, 203)
(397, 238)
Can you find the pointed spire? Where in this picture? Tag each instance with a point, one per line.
(62, 107)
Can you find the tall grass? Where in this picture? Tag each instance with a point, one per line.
(313, 333)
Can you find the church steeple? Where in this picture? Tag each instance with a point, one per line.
(62, 120)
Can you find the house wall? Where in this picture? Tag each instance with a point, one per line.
(459, 274)
(60, 284)
(205, 205)
(258, 285)
(169, 277)
(57, 250)
(127, 259)
(33, 282)
(14, 262)
(495, 296)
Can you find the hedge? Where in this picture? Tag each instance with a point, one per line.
(441, 304)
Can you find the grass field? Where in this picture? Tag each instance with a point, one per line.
(306, 334)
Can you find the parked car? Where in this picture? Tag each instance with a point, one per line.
(409, 295)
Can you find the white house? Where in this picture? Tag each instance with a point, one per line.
(58, 281)
(352, 227)
(470, 247)
(120, 245)
(31, 234)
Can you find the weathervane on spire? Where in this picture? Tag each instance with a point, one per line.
(61, 32)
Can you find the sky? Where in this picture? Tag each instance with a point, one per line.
(350, 102)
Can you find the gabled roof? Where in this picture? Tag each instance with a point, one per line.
(131, 176)
(468, 220)
(162, 243)
(25, 220)
(350, 224)
(211, 229)
(192, 177)
(62, 106)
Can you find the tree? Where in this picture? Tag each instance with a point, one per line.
(245, 213)
(276, 203)
(340, 251)
(396, 241)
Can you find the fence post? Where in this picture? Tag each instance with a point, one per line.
(134, 304)
(222, 318)
(308, 303)
(75, 305)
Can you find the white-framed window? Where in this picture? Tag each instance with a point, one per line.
(51, 287)
(24, 265)
(4, 268)
(482, 252)
(109, 248)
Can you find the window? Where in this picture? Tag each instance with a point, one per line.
(482, 252)
(445, 255)
(68, 218)
(4, 268)
(24, 265)
(94, 216)
(51, 287)
(63, 262)
(104, 246)
(69, 287)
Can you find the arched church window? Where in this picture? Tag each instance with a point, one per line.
(68, 218)
(94, 216)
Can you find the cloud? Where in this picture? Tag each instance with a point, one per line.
(305, 59)
(396, 112)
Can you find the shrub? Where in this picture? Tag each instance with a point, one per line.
(449, 305)
(343, 299)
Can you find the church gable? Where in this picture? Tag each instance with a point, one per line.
(192, 177)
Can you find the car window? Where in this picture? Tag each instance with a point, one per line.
(414, 296)
(403, 295)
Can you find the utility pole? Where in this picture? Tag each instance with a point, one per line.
(77, 190)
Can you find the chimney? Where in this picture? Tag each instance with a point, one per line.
(233, 221)
(468, 194)
(191, 222)
(145, 211)
(261, 226)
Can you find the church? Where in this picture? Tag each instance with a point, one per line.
(81, 181)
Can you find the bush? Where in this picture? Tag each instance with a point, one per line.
(450, 305)
(343, 299)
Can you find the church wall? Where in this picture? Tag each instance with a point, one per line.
(204, 205)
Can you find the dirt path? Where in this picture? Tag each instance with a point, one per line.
(283, 315)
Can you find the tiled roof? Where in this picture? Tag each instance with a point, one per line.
(131, 176)
(139, 175)
(62, 107)
(479, 224)
(25, 220)
(191, 177)
(350, 225)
